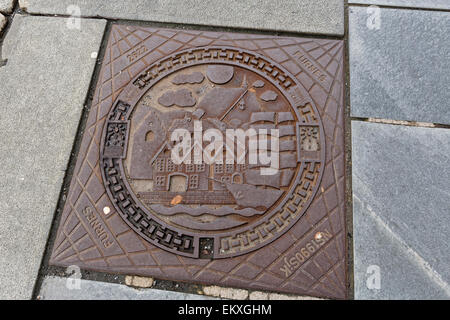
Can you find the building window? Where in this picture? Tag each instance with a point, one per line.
(218, 168)
(159, 164)
(160, 181)
(190, 168)
(193, 181)
(226, 179)
(200, 167)
(229, 168)
(170, 165)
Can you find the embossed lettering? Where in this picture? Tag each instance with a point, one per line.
(310, 66)
(136, 53)
(293, 263)
(97, 227)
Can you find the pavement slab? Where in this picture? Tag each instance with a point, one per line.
(306, 16)
(126, 214)
(58, 288)
(402, 70)
(43, 88)
(401, 202)
(6, 6)
(426, 4)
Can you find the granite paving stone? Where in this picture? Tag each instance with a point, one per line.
(6, 6)
(402, 277)
(427, 4)
(43, 88)
(307, 16)
(58, 288)
(402, 70)
(401, 199)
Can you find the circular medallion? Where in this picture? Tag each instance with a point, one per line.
(212, 152)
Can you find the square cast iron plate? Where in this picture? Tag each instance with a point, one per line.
(131, 210)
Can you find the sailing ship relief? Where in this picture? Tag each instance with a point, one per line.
(213, 196)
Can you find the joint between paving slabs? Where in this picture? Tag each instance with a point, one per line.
(402, 122)
(18, 9)
(348, 160)
(365, 5)
(150, 23)
(148, 283)
(44, 267)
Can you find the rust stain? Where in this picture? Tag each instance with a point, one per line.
(176, 200)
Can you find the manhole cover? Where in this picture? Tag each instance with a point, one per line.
(214, 158)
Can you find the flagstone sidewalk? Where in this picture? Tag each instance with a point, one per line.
(399, 77)
(398, 120)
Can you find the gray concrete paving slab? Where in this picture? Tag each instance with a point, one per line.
(307, 16)
(427, 4)
(401, 208)
(402, 276)
(400, 71)
(43, 88)
(57, 288)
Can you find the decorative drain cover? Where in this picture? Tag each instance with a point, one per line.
(214, 158)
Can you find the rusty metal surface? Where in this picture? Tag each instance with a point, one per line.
(130, 209)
